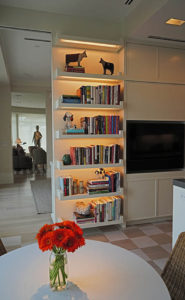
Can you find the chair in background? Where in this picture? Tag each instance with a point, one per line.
(2, 248)
(39, 158)
(20, 160)
(174, 270)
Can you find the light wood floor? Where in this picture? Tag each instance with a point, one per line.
(19, 221)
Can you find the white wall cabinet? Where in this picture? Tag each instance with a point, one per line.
(154, 90)
(150, 195)
(141, 199)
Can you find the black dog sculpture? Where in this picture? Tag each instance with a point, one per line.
(107, 66)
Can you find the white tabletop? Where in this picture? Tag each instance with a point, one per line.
(97, 271)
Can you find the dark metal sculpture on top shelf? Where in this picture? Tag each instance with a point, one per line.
(107, 66)
(77, 57)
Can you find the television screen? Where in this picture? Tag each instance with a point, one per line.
(153, 146)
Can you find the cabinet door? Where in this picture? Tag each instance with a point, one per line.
(141, 199)
(165, 197)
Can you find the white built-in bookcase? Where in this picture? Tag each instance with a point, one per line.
(68, 83)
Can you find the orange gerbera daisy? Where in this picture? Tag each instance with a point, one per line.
(70, 242)
(44, 229)
(58, 237)
(46, 241)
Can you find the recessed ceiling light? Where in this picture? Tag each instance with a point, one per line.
(176, 22)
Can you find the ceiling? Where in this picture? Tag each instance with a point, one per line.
(28, 61)
(27, 56)
(112, 10)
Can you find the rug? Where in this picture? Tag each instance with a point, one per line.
(41, 190)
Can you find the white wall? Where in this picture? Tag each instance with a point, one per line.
(31, 100)
(6, 168)
(49, 132)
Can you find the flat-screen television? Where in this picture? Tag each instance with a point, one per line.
(154, 146)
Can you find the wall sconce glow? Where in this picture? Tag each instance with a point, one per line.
(89, 43)
(176, 22)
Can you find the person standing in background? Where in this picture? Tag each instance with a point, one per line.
(37, 137)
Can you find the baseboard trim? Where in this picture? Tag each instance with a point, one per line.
(149, 220)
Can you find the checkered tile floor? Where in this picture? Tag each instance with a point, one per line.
(152, 242)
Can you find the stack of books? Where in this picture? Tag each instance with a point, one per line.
(97, 186)
(69, 99)
(82, 219)
(74, 131)
(107, 209)
(95, 154)
(101, 94)
(74, 69)
(100, 124)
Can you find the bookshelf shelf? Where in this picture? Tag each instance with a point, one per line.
(87, 196)
(89, 106)
(60, 166)
(98, 224)
(101, 89)
(61, 75)
(88, 136)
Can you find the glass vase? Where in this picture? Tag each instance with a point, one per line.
(58, 270)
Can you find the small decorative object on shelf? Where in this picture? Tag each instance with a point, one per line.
(101, 173)
(76, 57)
(82, 207)
(68, 118)
(59, 238)
(81, 187)
(83, 212)
(107, 66)
(75, 187)
(66, 159)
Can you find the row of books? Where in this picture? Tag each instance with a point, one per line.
(107, 209)
(101, 94)
(66, 185)
(100, 124)
(95, 154)
(111, 183)
(102, 210)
